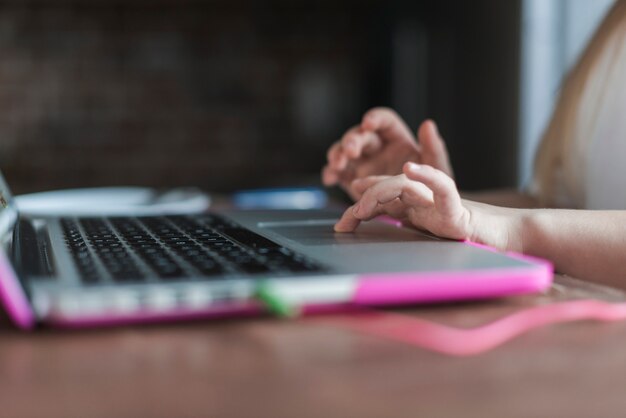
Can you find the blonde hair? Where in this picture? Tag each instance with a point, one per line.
(560, 162)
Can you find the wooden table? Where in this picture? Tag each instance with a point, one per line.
(264, 367)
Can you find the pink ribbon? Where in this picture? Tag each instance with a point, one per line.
(466, 342)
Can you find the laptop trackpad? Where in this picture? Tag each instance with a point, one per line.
(320, 232)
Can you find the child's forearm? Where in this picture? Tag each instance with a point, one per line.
(582, 243)
(585, 244)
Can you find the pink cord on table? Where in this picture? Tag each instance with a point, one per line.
(465, 342)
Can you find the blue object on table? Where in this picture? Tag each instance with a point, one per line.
(287, 198)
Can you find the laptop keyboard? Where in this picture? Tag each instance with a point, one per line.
(129, 249)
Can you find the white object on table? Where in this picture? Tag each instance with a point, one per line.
(112, 201)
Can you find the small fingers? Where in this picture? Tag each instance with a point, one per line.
(357, 143)
(434, 150)
(354, 143)
(330, 177)
(336, 157)
(390, 195)
(388, 122)
(410, 193)
(395, 209)
(446, 196)
(348, 221)
(359, 186)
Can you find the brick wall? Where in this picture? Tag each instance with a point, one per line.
(212, 93)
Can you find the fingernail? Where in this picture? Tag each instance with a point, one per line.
(414, 167)
(356, 208)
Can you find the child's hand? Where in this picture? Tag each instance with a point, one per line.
(379, 146)
(428, 199)
(423, 196)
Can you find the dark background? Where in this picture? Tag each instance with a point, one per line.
(237, 94)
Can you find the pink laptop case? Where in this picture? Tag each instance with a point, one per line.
(369, 289)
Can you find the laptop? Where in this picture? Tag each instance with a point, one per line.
(95, 271)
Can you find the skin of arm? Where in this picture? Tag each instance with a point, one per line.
(581, 243)
(585, 244)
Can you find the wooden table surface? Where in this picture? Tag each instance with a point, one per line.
(264, 367)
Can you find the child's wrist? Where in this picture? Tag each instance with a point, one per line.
(501, 228)
(516, 226)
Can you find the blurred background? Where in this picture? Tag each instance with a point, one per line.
(241, 93)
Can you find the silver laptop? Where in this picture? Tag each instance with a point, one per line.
(82, 272)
